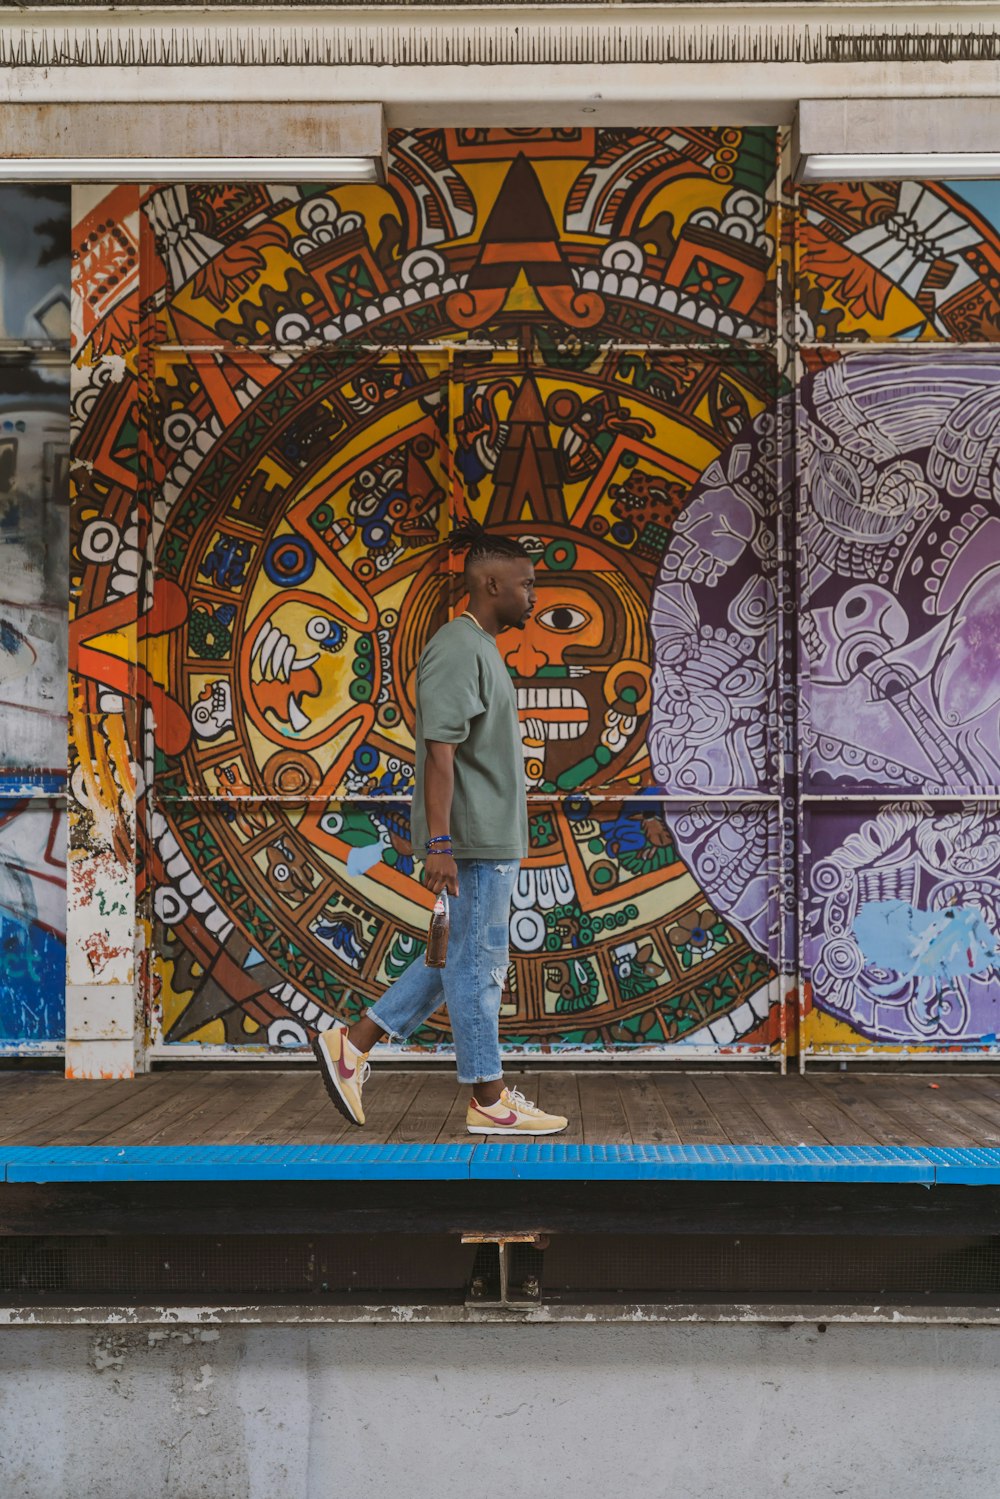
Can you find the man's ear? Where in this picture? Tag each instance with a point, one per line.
(492, 586)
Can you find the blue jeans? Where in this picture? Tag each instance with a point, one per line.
(471, 981)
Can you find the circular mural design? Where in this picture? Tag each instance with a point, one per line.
(514, 328)
(310, 590)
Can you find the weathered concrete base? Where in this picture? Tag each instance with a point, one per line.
(696, 1412)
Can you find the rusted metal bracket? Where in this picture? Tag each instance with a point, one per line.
(507, 1269)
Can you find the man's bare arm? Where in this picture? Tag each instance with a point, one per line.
(440, 870)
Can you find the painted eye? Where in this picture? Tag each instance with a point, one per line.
(281, 872)
(318, 628)
(564, 618)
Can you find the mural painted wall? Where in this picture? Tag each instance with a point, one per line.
(480, 339)
(34, 513)
(899, 561)
(283, 400)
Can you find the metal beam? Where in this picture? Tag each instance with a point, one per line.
(895, 127)
(167, 140)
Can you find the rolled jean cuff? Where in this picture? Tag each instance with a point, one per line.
(473, 1082)
(385, 1029)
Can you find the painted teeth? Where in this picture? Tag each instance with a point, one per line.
(551, 697)
(563, 730)
(555, 699)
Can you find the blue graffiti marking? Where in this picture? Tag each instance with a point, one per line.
(32, 982)
(939, 945)
(11, 640)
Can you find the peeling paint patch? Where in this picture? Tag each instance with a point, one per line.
(107, 1351)
(116, 366)
(100, 951)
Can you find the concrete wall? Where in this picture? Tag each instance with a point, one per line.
(701, 1412)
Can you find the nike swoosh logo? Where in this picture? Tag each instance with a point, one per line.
(346, 1072)
(511, 1118)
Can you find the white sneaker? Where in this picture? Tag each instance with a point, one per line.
(345, 1071)
(512, 1114)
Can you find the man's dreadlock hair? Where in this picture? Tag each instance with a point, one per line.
(481, 545)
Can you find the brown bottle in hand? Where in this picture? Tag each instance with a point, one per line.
(436, 953)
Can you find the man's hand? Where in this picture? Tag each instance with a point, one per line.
(441, 873)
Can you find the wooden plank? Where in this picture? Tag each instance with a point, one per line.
(927, 1127)
(95, 1099)
(648, 1121)
(81, 1124)
(976, 1104)
(282, 1088)
(428, 1111)
(767, 1097)
(453, 1130)
(179, 1116)
(174, 1099)
(391, 1106)
(226, 1105)
(559, 1093)
(692, 1119)
(982, 1082)
(736, 1116)
(312, 1118)
(602, 1115)
(942, 1105)
(820, 1109)
(283, 1127)
(221, 1099)
(322, 1123)
(28, 1099)
(867, 1108)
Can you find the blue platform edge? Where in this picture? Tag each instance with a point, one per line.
(500, 1162)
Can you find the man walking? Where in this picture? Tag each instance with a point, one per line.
(470, 816)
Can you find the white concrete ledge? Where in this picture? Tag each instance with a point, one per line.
(172, 130)
(893, 127)
(297, 1314)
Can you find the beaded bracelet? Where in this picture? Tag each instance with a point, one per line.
(437, 845)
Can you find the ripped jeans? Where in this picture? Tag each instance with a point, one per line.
(471, 981)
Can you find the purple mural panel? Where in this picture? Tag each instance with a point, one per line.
(902, 920)
(714, 628)
(734, 852)
(900, 573)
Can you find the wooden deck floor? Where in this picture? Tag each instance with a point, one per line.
(232, 1106)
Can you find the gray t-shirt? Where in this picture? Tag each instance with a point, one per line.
(465, 697)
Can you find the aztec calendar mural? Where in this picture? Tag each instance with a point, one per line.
(283, 400)
(300, 572)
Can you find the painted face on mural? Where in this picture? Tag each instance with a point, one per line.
(580, 696)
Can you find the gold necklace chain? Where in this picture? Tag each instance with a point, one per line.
(468, 614)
